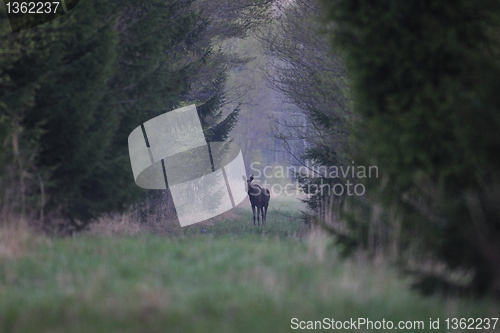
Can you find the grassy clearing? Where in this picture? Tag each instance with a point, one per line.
(234, 278)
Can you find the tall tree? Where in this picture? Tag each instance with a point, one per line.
(76, 103)
(425, 80)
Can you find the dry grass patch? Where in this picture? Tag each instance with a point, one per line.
(115, 225)
(17, 238)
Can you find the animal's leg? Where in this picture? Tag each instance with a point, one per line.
(253, 210)
(258, 215)
(261, 212)
(264, 217)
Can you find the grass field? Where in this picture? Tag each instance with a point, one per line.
(234, 278)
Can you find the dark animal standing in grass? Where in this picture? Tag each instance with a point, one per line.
(259, 197)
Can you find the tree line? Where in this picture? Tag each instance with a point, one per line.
(73, 89)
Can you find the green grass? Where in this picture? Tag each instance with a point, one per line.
(280, 223)
(234, 278)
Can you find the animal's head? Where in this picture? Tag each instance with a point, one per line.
(248, 181)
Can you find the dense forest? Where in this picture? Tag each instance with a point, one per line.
(70, 100)
(407, 87)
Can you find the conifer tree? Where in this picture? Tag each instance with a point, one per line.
(425, 78)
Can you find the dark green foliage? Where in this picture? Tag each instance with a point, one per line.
(95, 54)
(78, 130)
(425, 81)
